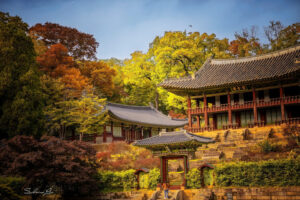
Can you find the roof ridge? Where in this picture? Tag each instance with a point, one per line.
(256, 57)
(127, 106)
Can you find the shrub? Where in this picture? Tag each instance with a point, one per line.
(264, 173)
(144, 180)
(116, 181)
(267, 147)
(154, 178)
(15, 183)
(194, 178)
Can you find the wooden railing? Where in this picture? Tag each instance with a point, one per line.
(246, 105)
(249, 125)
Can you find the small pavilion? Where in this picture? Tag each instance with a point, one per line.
(168, 146)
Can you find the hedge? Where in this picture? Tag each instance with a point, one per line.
(124, 180)
(264, 173)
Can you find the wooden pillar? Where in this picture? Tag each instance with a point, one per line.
(229, 109)
(282, 104)
(254, 106)
(198, 116)
(161, 169)
(189, 104)
(123, 130)
(205, 111)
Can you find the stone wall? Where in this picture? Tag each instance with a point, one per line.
(246, 193)
(233, 144)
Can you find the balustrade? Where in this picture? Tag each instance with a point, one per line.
(246, 105)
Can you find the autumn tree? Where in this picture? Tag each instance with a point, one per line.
(80, 45)
(87, 114)
(281, 37)
(175, 54)
(50, 162)
(58, 64)
(100, 75)
(21, 99)
(246, 43)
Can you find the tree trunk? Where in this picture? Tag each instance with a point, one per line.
(80, 136)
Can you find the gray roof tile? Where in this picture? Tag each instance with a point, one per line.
(143, 115)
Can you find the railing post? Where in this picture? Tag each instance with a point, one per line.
(282, 104)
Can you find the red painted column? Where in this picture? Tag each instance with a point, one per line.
(205, 111)
(282, 103)
(254, 106)
(198, 116)
(189, 104)
(229, 109)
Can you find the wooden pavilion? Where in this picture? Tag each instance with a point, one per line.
(168, 146)
(242, 92)
(129, 123)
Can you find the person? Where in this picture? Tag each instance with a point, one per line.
(166, 190)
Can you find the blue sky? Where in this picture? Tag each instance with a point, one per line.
(124, 26)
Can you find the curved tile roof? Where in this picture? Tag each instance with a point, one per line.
(142, 115)
(172, 138)
(222, 72)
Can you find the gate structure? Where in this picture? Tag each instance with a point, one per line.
(168, 146)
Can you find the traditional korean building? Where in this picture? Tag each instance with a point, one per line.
(243, 92)
(129, 123)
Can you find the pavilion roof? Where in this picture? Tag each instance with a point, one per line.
(217, 73)
(179, 137)
(143, 115)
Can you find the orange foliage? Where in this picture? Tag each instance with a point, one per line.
(177, 115)
(100, 76)
(58, 64)
(122, 156)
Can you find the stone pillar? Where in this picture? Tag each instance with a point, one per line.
(229, 109)
(254, 106)
(189, 104)
(282, 103)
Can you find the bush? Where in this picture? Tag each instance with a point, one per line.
(194, 178)
(265, 173)
(15, 183)
(154, 178)
(144, 180)
(116, 181)
(267, 147)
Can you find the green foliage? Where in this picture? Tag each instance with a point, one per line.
(15, 183)
(6, 193)
(267, 147)
(265, 173)
(208, 176)
(114, 181)
(144, 180)
(154, 178)
(194, 178)
(20, 89)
